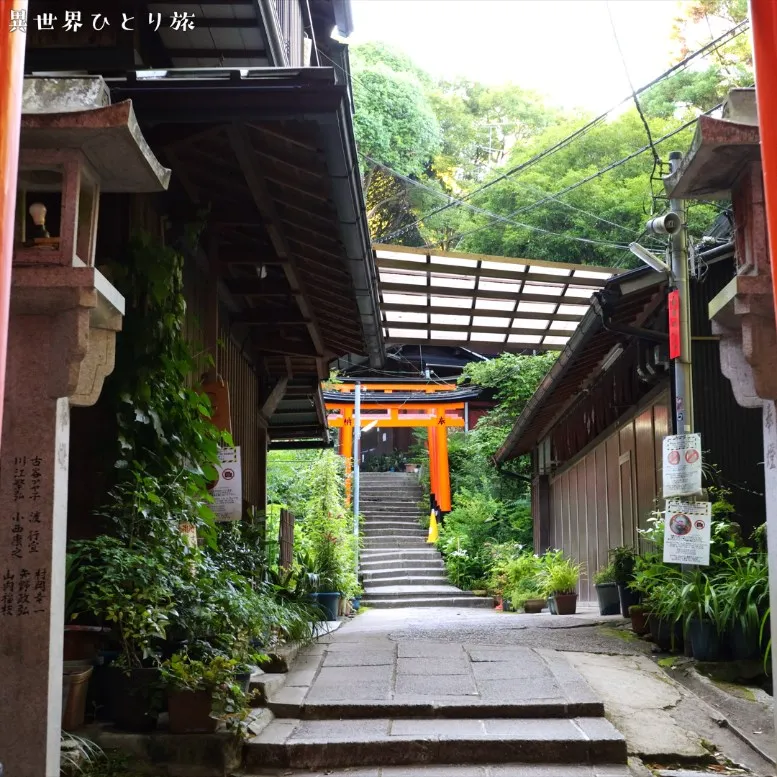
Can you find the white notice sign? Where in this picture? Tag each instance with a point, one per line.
(227, 491)
(682, 465)
(687, 532)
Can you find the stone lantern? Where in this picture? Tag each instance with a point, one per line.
(63, 322)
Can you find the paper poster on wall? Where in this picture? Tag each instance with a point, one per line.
(687, 532)
(682, 465)
(227, 490)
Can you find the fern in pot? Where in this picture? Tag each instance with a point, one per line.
(623, 561)
(607, 591)
(560, 578)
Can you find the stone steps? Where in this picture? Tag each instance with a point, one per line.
(398, 568)
(430, 601)
(502, 770)
(372, 576)
(324, 744)
(374, 585)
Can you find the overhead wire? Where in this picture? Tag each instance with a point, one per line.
(455, 200)
(583, 181)
(496, 216)
(726, 37)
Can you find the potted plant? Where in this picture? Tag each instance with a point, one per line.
(81, 640)
(132, 590)
(607, 591)
(201, 693)
(623, 562)
(705, 620)
(560, 577)
(639, 619)
(744, 590)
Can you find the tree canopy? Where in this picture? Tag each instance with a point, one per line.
(436, 142)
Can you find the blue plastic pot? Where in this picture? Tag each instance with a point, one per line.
(328, 602)
(356, 602)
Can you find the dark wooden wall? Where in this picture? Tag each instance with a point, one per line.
(602, 498)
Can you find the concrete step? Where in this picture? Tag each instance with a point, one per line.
(503, 770)
(373, 586)
(427, 570)
(394, 531)
(391, 523)
(394, 543)
(410, 591)
(323, 744)
(398, 555)
(385, 603)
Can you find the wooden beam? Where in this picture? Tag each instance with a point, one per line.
(444, 291)
(606, 271)
(464, 328)
(487, 346)
(451, 311)
(273, 398)
(241, 145)
(485, 273)
(257, 287)
(218, 53)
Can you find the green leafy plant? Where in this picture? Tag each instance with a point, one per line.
(560, 575)
(216, 676)
(131, 588)
(605, 575)
(623, 561)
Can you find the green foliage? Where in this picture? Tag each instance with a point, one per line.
(605, 575)
(623, 562)
(394, 121)
(328, 527)
(218, 676)
(132, 588)
(385, 462)
(478, 523)
(559, 574)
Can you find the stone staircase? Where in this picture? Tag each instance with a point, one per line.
(397, 567)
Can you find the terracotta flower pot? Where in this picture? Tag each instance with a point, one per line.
(189, 712)
(566, 604)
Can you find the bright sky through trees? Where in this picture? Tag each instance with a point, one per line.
(564, 48)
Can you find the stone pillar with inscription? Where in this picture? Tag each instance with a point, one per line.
(62, 329)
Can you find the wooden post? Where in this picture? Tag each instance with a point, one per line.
(261, 464)
(431, 444)
(443, 473)
(12, 40)
(346, 451)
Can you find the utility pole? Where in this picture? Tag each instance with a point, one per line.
(683, 382)
(357, 454)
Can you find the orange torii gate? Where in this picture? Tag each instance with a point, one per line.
(427, 407)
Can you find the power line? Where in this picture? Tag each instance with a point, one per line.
(496, 216)
(712, 45)
(454, 200)
(585, 180)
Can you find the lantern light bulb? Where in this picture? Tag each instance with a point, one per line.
(38, 213)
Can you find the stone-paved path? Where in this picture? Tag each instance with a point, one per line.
(418, 692)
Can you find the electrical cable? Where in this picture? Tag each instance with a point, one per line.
(508, 219)
(456, 201)
(712, 45)
(585, 180)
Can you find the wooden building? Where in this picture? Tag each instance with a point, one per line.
(594, 428)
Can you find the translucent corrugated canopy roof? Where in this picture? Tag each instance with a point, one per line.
(487, 303)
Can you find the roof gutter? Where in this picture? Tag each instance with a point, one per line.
(588, 327)
(343, 165)
(272, 32)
